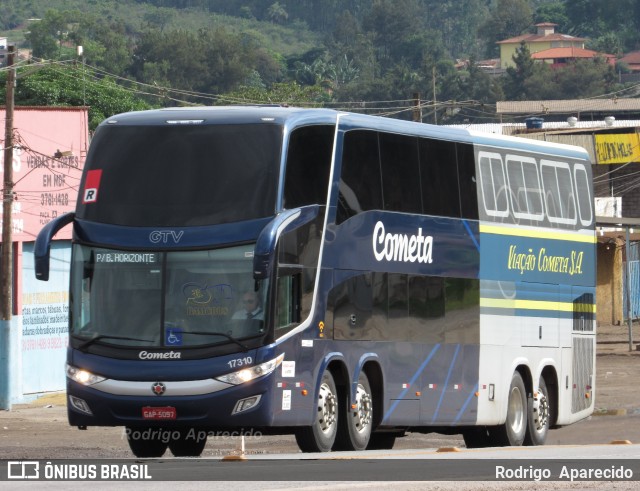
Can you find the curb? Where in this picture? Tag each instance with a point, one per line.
(610, 412)
(615, 412)
(46, 400)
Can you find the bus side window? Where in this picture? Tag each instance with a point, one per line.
(526, 198)
(308, 166)
(400, 173)
(494, 185)
(558, 192)
(439, 176)
(287, 303)
(360, 181)
(467, 182)
(585, 206)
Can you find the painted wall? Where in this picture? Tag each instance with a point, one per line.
(44, 325)
(609, 283)
(50, 146)
(45, 186)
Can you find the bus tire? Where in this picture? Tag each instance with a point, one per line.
(355, 423)
(145, 447)
(186, 446)
(514, 429)
(539, 416)
(321, 435)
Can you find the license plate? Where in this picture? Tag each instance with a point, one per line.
(166, 412)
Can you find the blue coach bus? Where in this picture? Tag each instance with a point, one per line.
(341, 277)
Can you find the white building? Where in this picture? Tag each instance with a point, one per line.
(3, 51)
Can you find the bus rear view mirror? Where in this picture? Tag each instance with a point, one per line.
(42, 246)
(264, 254)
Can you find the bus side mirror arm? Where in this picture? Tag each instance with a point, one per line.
(42, 247)
(264, 253)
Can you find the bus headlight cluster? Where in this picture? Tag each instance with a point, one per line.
(251, 373)
(82, 376)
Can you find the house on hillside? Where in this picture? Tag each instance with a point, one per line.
(559, 57)
(545, 38)
(632, 61)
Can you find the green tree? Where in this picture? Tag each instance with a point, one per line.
(106, 45)
(208, 61)
(289, 93)
(45, 36)
(585, 78)
(608, 43)
(517, 75)
(509, 18)
(390, 23)
(471, 94)
(277, 14)
(457, 22)
(159, 18)
(596, 19)
(554, 12)
(57, 85)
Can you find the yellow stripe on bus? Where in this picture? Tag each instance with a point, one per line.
(505, 303)
(538, 234)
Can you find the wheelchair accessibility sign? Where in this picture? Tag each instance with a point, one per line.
(173, 336)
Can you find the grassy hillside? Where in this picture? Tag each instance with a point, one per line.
(286, 40)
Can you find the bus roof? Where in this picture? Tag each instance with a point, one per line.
(291, 117)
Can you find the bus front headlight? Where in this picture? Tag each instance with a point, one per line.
(83, 376)
(251, 373)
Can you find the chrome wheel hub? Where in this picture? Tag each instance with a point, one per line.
(540, 413)
(327, 408)
(362, 413)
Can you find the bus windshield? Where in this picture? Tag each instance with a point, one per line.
(156, 299)
(186, 175)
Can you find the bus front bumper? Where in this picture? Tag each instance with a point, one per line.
(245, 405)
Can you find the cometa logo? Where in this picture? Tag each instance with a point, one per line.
(401, 247)
(169, 355)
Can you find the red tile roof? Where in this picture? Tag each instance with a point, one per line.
(535, 38)
(632, 58)
(571, 52)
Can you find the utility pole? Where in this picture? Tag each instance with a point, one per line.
(417, 110)
(6, 262)
(6, 265)
(435, 104)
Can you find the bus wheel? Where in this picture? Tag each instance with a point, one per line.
(513, 431)
(321, 435)
(188, 445)
(143, 446)
(539, 416)
(356, 419)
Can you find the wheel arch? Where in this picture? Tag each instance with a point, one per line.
(335, 363)
(550, 377)
(373, 371)
(527, 378)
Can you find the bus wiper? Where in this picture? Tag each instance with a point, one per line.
(89, 342)
(224, 335)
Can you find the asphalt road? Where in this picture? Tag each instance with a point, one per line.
(39, 430)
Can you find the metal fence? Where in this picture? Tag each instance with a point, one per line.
(632, 268)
